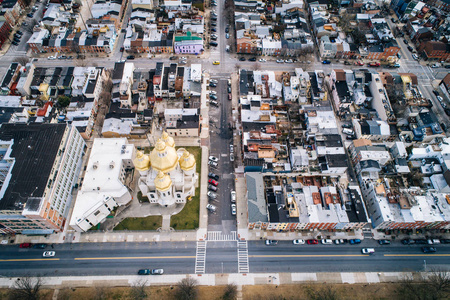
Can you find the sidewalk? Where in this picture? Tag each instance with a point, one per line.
(224, 279)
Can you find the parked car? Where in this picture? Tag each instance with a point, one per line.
(213, 24)
(14, 43)
(241, 58)
(359, 63)
(384, 242)
(40, 246)
(130, 57)
(19, 32)
(212, 188)
(410, 48)
(213, 30)
(214, 44)
(214, 97)
(428, 249)
(289, 61)
(211, 84)
(231, 157)
(213, 164)
(144, 272)
(354, 241)
(367, 250)
(271, 242)
(227, 35)
(374, 64)
(213, 176)
(415, 56)
(407, 241)
(229, 97)
(421, 241)
(312, 242)
(262, 60)
(48, 254)
(213, 182)
(51, 57)
(436, 92)
(445, 241)
(233, 196)
(326, 242)
(227, 30)
(211, 207)
(346, 126)
(25, 245)
(252, 59)
(326, 62)
(339, 242)
(157, 272)
(405, 41)
(30, 15)
(347, 63)
(233, 209)
(213, 158)
(298, 242)
(280, 61)
(173, 58)
(211, 195)
(231, 148)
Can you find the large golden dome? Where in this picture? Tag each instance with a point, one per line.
(168, 139)
(163, 157)
(162, 182)
(187, 161)
(141, 162)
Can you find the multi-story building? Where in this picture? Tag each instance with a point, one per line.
(44, 164)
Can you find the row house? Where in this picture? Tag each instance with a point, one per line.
(5, 29)
(188, 44)
(434, 50)
(11, 10)
(149, 39)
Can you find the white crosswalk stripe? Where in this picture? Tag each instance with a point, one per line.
(219, 236)
(242, 251)
(200, 257)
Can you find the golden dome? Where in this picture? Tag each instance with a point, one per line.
(162, 182)
(141, 162)
(168, 139)
(187, 161)
(163, 157)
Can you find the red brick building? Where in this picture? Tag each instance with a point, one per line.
(434, 50)
(246, 45)
(5, 29)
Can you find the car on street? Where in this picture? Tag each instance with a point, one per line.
(326, 242)
(48, 254)
(405, 41)
(173, 58)
(407, 241)
(216, 62)
(298, 242)
(233, 196)
(211, 207)
(312, 242)
(415, 56)
(213, 182)
(227, 30)
(212, 84)
(14, 43)
(130, 57)
(374, 64)
(213, 164)
(211, 195)
(212, 188)
(262, 60)
(354, 241)
(359, 63)
(227, 35)
(420, 241)
(213, 176)
(229, 97)
(428, 249)
(252, 59)
(241, 58)
(30, 15)
(326, 62)
(367, 250)
(233, 209)
(214, 97)
(51, 57)
(280, 61)
(157, 272)
(25, 245)
(436, 92)
(40, 246)
(231, 148)
(384, 242)
(289, 61)
(231, 157)
(271, 242)
(339, 241)
(213, 158)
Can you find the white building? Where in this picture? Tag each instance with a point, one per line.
(168, 176)
(104, 186)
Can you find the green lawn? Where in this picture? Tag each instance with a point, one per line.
(188, 218)
(148, 223)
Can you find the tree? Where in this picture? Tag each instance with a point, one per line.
(137, 290)
(23, 60)
(439, 281)
(26, 288)
(31, 25)
(63, 101)
(230, 292)
(187, 289)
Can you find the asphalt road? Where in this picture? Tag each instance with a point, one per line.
(221, 257)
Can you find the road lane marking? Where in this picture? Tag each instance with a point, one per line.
(309, 255)
(417, 254)
(28, 259)
(132, 257)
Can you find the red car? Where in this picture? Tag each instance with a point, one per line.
(213, 182)
(312, 242)
(25, 245)
(374, 64)
(359, 63)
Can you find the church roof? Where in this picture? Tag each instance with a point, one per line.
(163, 157)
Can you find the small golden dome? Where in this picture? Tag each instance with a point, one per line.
(141, 162)
(163, 157)
(162, 182)
(168, 139)
(187, 161)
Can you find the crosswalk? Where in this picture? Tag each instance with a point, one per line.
(242, 252)
(219, 236)
(200, 257)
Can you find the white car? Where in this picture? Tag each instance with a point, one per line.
(213, 81)
(49, 254)
(262, 60)
(51, 57)
(415, 56)
(213, 158)
(233, 209)
(233, 196)
(183, 58)
(326, 242)
(212, 92)
(211, 207)
(231, 149)
(298, 242)
(289, 61)
(212, 195)
(231, 157)
(367, 250)
(338, 242)
(213, 164)
(280, 61)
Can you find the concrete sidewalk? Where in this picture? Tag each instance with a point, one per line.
(223, 279)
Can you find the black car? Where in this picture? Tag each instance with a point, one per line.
(447, 111)
(252, 59)
(436, 92)
(213, 176)
(213, 18)
(227, 30)
(410, 48)
(214, 44)
(173, 58)
(445, 241)
(407, 241)
(211, 84)
(19, 32)
(428, 249)
(447, 66)
(16, 40)
(421, 241)
(40, 246)
(405, 41)
(30, 15)
(130, 57)
(214, 24)
(14, 43)
(213, 30)
(384, 242)
(241, 58)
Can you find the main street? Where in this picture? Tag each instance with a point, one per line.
(221, 257)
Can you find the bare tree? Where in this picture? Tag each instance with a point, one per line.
(230, 292)
(137, 290)
(187, 289)
(256, 66)
(439, 281)
(26, 288)
(23, 60)
(31, 25)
